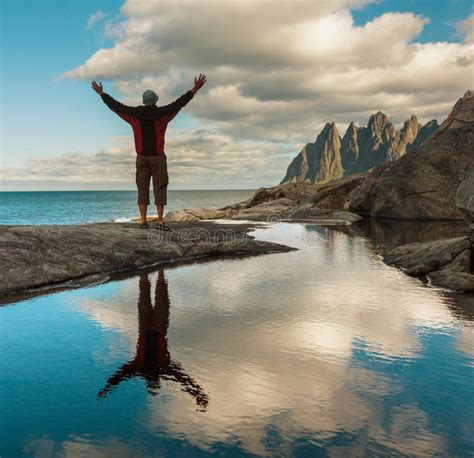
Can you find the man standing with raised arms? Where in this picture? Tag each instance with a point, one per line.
(149, 124)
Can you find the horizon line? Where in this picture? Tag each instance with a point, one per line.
(122, 190)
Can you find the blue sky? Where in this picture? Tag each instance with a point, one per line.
(45, 117)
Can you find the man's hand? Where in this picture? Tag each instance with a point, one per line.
(199, 82)
(97, 87)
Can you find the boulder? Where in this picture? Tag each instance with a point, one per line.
(446, 262)
(423, 258)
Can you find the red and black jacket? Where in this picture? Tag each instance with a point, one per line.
(148, 122)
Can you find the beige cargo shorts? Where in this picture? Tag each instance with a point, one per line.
(152, 167)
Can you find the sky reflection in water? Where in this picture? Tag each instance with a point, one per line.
(324, 350)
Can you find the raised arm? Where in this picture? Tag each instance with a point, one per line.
(124, 111)
(174, 107)
(126, 371)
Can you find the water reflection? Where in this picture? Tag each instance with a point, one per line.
(152, 360)
(388, 233)
(321, 351)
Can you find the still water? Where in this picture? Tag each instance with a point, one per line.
(325, 351)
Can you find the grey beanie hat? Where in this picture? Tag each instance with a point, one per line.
(149, 97)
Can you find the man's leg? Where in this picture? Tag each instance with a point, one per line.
(160, 209)
(143, 176)
(143, 210)
(160, 184)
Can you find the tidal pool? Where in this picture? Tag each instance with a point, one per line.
(324, 351)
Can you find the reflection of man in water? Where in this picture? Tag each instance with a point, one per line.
(152, 360)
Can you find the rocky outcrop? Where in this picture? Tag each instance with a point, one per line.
(465, 197)
(423, 183)
(298, 202)
(60, 256)
(359, 150)
(446, 262)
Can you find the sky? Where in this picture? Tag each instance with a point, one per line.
(276, 75)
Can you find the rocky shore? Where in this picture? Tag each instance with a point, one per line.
(432, 182)
(77, 255)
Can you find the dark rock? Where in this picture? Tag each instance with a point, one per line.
(423, 258)
(446, 263)
(465, 197)
(334, 194)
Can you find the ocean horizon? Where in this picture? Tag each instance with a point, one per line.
(88, 206)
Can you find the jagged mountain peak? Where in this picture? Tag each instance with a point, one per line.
(360, 149)
(378, 121)
(329, 126)
(378, 115)
(462, 112)
(351, 127)
(329, 132)
(431, 123)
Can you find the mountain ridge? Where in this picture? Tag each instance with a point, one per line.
(360, 149)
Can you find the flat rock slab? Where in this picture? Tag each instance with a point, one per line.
(285, 210)
(445, 262)
(42, 256)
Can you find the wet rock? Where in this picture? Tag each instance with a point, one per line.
(422, 258)
(40, 256)
(445, 262)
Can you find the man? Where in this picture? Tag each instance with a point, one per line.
(149, 124)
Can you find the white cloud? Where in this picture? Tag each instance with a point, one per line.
(197, 158)
(94, 18)
(277, 74)
(466, 28)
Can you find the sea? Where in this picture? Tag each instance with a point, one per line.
(75, 207)
(321, 351)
